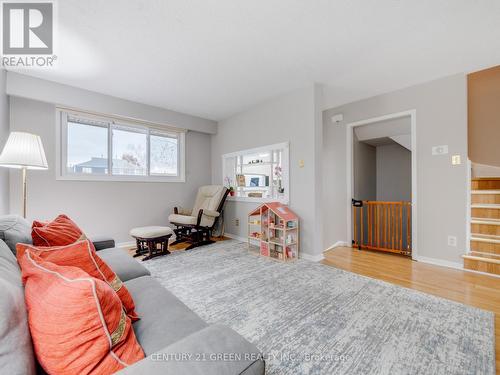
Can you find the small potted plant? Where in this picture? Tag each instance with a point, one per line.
(229, 186)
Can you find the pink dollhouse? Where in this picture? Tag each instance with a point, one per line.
(273, 231)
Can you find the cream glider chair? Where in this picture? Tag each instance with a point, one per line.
(196, 225)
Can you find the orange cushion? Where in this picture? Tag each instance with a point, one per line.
(83, 255)
(77, 322)
(59, 232)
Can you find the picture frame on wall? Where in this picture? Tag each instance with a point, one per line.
(240, 180)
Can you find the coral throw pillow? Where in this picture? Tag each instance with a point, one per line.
(59, 232)
(77, 322)
(83, 255)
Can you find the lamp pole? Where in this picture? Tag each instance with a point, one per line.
(25, 189)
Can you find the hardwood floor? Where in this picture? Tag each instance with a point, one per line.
(178, 247)
(466, 287)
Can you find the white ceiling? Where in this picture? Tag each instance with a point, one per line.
(214, 58)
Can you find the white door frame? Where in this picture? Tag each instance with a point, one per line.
(350, 170)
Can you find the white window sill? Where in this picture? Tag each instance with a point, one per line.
(283, 200)
(120, 178)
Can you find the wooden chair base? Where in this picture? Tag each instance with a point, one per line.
(195, 236)
(150, 246)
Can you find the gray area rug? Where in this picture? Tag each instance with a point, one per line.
(308, 318)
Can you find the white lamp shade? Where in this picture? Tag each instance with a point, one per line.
(23, 150)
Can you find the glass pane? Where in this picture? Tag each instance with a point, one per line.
(129, 153)
(163, 155)
(87, 149)
(258, 158)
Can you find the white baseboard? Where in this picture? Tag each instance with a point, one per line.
(455, 265)
(126, 244)
(311, 258)
(235, 237)
(337, 244)
(439, 262)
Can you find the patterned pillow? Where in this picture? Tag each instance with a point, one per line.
(59, 232)
(77, 322)
(83, 255)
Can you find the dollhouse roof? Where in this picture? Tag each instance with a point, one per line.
(281, 210)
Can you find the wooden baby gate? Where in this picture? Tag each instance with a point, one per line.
(383, 226)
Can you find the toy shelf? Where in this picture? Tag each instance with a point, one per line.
(275, 228)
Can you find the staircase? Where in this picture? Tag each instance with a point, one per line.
(484, 253)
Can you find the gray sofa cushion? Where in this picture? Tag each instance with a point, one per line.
(164, 318)
(14, 229)
(124, 265)
(101, 243)
(16, 351)
(209, 342)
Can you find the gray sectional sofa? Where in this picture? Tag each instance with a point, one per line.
(175, 340)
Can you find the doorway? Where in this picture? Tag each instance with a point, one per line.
(381, 183)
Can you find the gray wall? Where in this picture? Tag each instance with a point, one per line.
(290, 117)
(393, 173)
(441, 108)
(101, 208)
(365, 170)
(55, 93)
(4, 133)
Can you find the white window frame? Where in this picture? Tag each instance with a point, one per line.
(285, 166)
(62, 115)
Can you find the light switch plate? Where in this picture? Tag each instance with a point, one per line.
(456, 160)
(452, 241)
(440, 150)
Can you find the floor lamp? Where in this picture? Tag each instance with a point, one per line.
(23, 151)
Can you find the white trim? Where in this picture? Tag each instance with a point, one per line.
(491, 239)
(256, 200)
(350, 170)
(488, 192)
(337, 244)
(311, 258)
(454, 265)
(440, 262)
(235, 237)
(485, 221)
(122, 119)
(468, 213)
(482, 273)
(125, 244)
(285, 147)
(489, 206)
(61, 149)
(115, 178)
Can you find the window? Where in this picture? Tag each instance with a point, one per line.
(259, 174)
(163, 154)
(100, 148)
(87, 148)
(129, 151)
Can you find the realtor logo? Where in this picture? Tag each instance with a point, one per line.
(28, 34)
(27, 28)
